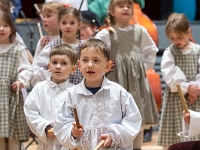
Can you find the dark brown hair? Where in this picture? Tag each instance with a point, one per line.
(97, 45)
(64, 49)
(4, 16)
(5, 5)
(178, 23)
(70, 10)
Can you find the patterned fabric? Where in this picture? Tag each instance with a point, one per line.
(171, 119)
(129, 71)
(12, 119)
(44, 41)
(77, 76)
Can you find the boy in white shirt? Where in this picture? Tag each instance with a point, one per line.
(105, 109)
(42, 103)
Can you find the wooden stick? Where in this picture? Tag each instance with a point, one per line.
(38, 10)
(99, 145)
(40, 30)
(182, 98)
(76, 118)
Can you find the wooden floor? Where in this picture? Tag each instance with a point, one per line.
(146, 146)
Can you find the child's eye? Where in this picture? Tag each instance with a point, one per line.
(96, 60)
(54, 62)
(72, 23)
(84, 60)
(64, 23)
(63, 63)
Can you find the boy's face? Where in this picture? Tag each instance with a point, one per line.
(86, 30)
(50, 23)
(93, 65)
(60, 67)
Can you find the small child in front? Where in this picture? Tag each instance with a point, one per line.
(105, 109)
(42, 103)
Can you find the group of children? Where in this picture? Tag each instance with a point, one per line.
(103, 78)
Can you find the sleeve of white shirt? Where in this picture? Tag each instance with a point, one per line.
(172, 74)
(148, 50)
(24, 68)
(104, 36)
(36, 123)
(37, 50)
(19, 42)
(123, 134)
(192, 129)
(40, 64)
(63, 126)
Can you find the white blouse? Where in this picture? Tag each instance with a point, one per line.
(172, 74)
(26, 74)
(148, 47)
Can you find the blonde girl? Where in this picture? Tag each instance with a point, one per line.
(180, 64)
(69, 23)
(15, 73)
(132, 51)
(49, 12)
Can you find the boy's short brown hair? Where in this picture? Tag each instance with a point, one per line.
(64, 49)
(97, 45)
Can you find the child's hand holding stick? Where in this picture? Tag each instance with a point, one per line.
(182, 98)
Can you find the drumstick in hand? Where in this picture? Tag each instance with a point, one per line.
(182, 98)
(99, 145)
(76, 118)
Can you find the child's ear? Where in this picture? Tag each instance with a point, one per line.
(189, 31)
(108, 66)
(79, 64)
(73, 69)
(48, 66)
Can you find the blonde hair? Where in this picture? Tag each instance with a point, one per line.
(52, 7)
(178, 23)
(64, 49)
(111, 8)
(5, 16)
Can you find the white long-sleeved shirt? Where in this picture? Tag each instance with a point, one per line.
(172, 74)
(112, 110)
(148, 47)
(40, 109)
(38, 47)
(24, 66)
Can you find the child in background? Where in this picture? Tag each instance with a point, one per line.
(50, 23)
(132, 51)
(15, 73)
(42, 103)
(180, 64)
(106, 110)
(89, 25)
(69, 23)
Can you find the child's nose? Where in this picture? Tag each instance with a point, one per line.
(58, 66)
(90, 65)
